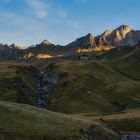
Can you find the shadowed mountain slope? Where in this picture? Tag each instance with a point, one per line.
(17, 82)
(93, 87)
(129, 64)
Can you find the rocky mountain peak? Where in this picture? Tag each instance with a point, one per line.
(90, 38)
(90, 35)
(13, 46)
(113, 37)
(83, 42)
(123, 30)
(46, 42)
(107, 32)
(124, 27)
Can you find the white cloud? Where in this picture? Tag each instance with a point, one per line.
(27, 26)
(81, 1)
(21, 28)
(39, 7)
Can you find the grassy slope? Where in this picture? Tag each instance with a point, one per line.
(96, 86)
(20, 121)
(114, 54)
(124, 121)
(90, 87)
(129, 65)
(27, 122)
(17, 82)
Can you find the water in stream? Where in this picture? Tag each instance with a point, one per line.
(42, 92)
(130, 136)
(45, 82)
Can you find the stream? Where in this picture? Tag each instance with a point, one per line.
(46, 80)
(42, 90)
(130, 136)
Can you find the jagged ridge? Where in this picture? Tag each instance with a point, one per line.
(121, 36)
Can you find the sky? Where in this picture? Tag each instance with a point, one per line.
(28, 22)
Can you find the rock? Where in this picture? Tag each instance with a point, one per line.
(83, 42)
(93, 133)
(113, 37)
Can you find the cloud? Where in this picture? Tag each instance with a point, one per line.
(40, 8)
(81, 1)
(21, 29)
(29, 23)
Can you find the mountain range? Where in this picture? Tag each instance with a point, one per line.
(120, 37)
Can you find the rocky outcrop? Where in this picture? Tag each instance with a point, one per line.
(93, 133)
(113, 37)
(83, 42)
(131, 39)
(44, 44)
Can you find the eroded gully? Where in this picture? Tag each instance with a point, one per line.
(46, 80)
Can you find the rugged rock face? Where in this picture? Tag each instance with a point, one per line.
(83, 42)
(46, 42)
(39, 47)
(113, 37)
(43, 48)
(131, 39)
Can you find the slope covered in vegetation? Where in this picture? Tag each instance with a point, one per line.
(91, 87)
(24, 122)
(17, 82)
